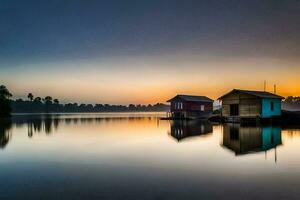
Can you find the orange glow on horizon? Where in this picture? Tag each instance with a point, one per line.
(152, 80)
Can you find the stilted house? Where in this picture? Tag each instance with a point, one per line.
(190, 107)
(244, 104)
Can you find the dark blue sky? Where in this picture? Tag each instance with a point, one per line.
(126, 38)
(64, 29)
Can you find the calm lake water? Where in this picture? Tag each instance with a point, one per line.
(137, 156)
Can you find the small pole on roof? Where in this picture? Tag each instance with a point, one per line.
(265, 85)
(274, 88)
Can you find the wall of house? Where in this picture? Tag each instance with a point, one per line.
(266, 108)
(230, 99)
(191, 106)
(249, 106)
(189, 109)
(196, 106)
(174, 107)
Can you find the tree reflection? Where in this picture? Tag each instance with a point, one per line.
(5, 134)
(49, 123)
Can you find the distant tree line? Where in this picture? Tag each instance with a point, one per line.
(52, 105)
(291, 103)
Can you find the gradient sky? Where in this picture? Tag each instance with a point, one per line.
(146, 51)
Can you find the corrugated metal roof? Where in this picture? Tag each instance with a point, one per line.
(192, 98)
(260, 94)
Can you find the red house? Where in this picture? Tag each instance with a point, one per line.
(190, 107)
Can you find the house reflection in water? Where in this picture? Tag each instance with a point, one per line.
(183, 129)
(245, 140)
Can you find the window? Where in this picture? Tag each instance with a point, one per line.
(202, 107)
(272, 106)
(178, 105)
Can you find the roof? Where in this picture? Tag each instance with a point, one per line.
(192, 98)
(260, 94)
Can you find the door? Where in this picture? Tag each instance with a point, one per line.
(234, 109)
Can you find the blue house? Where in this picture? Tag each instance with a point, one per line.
(239, 104)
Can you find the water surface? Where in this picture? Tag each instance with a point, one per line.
(137, 156)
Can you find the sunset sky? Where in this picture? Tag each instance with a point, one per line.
(146, 51)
